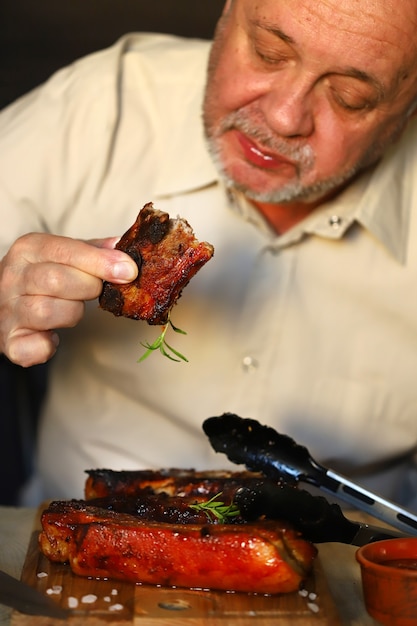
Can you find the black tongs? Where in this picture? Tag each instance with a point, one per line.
(278, 457)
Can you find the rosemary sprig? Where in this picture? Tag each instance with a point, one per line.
(161, 345)
(217, 510)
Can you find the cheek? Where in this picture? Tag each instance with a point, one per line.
(231, 83)
(337, 145)
(355, 141)
(228, 88)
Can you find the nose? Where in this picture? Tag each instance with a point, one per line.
(289, 108)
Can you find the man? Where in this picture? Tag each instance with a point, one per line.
(306, 317)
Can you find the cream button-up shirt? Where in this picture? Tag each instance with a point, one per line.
(313, 332)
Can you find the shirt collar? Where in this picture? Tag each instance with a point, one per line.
(184, 166)
(386, 204)
(186, 170)
(380, 200)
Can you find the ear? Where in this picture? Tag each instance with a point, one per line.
(412, 109)
(227, 6)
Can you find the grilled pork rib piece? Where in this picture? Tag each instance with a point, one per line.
(167, 254)
(166, 495)
(266, 557)
(139, 526)
(173, 481)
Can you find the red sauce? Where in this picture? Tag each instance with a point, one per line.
(402, 563)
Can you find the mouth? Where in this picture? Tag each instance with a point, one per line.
(258, 156)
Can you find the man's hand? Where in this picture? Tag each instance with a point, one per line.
(44, 282)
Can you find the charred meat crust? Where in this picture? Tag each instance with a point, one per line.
(167, 255)
(173, 481)
(166, 495)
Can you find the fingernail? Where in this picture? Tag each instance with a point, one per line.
(124, 271)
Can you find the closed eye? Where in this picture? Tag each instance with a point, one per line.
(352, 94)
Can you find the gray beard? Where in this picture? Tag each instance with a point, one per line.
(301, 155)
(288, 192)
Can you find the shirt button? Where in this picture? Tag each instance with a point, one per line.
(335, 221)
(249, 364)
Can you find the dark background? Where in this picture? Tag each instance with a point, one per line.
(38, 37)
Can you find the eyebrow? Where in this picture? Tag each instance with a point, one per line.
(365, 78)
(277, 32)
(347, 71)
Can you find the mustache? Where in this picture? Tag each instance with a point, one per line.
(252, 124)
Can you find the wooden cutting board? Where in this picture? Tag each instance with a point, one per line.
(113, 603)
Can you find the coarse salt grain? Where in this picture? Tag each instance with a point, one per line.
(90, 598)
(313, 607)
(116, 607)
(42, 575)
(114, 592)
(303, 593)
(54, 591)
(72, 602)
(312, 596)
(107, 599)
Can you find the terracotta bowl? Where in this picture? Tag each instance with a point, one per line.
(389, 579)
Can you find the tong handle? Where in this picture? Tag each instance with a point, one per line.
(369, 502)
(367, 534)
(262, 449)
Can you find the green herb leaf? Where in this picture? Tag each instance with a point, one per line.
(164, 348)
(217, 510)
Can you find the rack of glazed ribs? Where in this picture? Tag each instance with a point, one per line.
(162, 531)
(174, 546)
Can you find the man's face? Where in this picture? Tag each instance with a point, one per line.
(301, 94)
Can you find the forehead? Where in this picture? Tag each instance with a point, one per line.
(379, 23)
(360, 15)
(375, 33)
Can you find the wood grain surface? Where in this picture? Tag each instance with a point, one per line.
(115, 603)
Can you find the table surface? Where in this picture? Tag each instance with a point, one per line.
(338, 561)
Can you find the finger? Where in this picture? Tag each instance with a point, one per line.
(32, 348)
(32, 342)
(107, 264)
(39, 313)
(59, 281)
